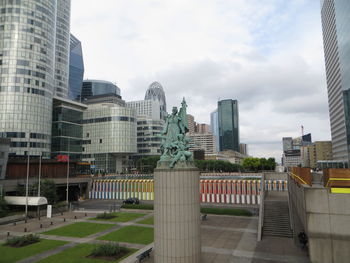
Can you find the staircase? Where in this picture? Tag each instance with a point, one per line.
(276, 219)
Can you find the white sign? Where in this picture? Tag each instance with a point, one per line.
(49, 211)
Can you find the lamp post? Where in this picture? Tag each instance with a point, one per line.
(67, 192)
(27, 181)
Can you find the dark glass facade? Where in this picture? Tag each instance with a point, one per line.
(76, 69)
(67, 130)
(98, 87)
(336, 27)
(228, 125)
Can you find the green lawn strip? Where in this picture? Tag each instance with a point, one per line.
(13, 254)
(139, 206)
(147, 221)
(131, 234)
(79, 229)
(79, 253)
(121, 217)
(225, 211)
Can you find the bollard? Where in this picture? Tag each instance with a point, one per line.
(64, 219)
(39, 218)
(85, 214)
(75, 217)
(25, 229)
(8, 234)
(25, 221)
(51, 223)
(61, 213)
(14, 223)
(41, 225)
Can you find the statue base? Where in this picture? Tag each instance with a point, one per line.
(177, 213)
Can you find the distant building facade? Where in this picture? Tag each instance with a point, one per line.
(156, 92)
(191, 123)
(243, 148)
(4, 152)
(214, 126)
(202, 128)
(318, 151)
(336, 25)
(109, 137)
(98, 87)
(67, 128)
(76, 69)
(295, 150)
(202, 141)
(146, 108)
(148, 140)
(228, 120)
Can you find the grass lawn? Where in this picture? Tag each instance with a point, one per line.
(78, 254)
(121, 217)
(79, 229)
(147, 221)
(139, 206)
(131, 234)
(13, 254)
(226, 211)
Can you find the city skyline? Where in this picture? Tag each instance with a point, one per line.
(216, 50)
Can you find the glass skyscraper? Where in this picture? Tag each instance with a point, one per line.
(214, 125)
(62, 48)
(98, 87)
(27, 65)
(336, 38)
(76, 69)
(228, 125)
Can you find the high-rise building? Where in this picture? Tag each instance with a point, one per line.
(109, 136)
(76, 69)
(228, 125)
(287, 143)
(318, 151)
(62, 48)
(243, 148)
(202, 128)
(93, 87)
(202, 141)
(146, 108)
(335, 26)
(148, 140)
(67, 128)
(31, 32)
(214, 126)
(155, 92)
(191, 123)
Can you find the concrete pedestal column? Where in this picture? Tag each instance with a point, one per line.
(177, 214)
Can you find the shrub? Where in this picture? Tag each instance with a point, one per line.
(105, 216)
(3, 207)
(139, 206)
(225, 211)
(22, 241)
(107, 250)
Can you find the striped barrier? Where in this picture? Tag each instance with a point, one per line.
(211, 191)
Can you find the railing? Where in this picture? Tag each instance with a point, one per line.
(336, 177)
(261, 210)
(301, 175)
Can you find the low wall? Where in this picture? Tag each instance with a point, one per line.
(325, 217)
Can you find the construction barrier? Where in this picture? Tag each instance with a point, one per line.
(211, 191)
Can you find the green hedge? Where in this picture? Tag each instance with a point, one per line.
(225, 211)
(139, 206)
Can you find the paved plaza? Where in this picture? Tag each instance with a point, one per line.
(224, 238)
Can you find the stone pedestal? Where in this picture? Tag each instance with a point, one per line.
(177, 214)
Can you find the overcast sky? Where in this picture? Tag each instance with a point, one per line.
(267, 54)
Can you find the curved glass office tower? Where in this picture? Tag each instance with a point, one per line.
(76, 69)
(62, 48)
(27, 55)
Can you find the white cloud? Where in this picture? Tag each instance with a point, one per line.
(267, 54)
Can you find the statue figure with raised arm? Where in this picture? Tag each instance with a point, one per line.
(175, 144)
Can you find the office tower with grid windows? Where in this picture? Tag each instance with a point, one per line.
(336, 26)
(228, 125)
(32, 33)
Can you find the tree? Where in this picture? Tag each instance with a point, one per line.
(251, 164)
(47, 189)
